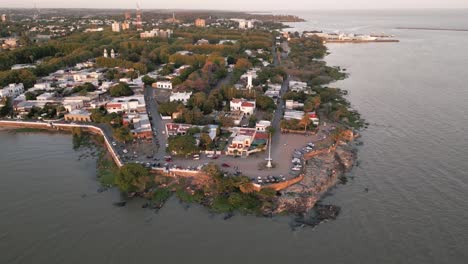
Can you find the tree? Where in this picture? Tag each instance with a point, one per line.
(252, 121)
(121, 89)
(197, 100)
(305, 121)
(265, 103)
(30, 96)
(182, 145)
(122, 134)
(243, 64)
(132, 177)
(226, 121)
(148, 80)
(168, 108)
(205, 142)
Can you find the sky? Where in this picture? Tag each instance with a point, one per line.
(257, 5)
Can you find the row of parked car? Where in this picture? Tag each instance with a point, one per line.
(297, 161)
(270, 179)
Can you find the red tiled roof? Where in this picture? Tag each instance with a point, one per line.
(248, 104)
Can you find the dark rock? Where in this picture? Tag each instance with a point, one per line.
(228, 216)
(120, 204)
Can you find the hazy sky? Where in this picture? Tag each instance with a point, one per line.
(242, 4)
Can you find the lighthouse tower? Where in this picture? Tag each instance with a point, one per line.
(106, 55)
(249, 81)
(112, 54)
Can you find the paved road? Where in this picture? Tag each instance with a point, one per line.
(157, 123)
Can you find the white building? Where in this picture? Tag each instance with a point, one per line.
(163, 85)
(45, 97)
(42, 86)
(128, 104)
(12, 90)
(116, 27)
(246, 107)
(290, 105)
(180, 97)
(296, 86)
(262, 125)
(156, 33)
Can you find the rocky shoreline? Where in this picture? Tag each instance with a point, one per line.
(322, 172)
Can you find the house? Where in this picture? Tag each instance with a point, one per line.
(246, 107)
(42, 86)
(242, 139)
(141, 125)
(173, 129)
(78, 116)
(262, 125)
(13, 90)
(134, 103)
(203, 42)
(236, 117)
(72, 105)
(291, 104)
(299, 115)
(180, 97)
(163, 85)
(314, 118)
(45, 97)
(273, 90)
(296, 86)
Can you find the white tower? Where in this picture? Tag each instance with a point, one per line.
(112, 54)
(249, 81)
(106, 55)
(269, 164)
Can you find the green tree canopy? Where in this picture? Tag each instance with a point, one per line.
(121, 89)
(132, 177)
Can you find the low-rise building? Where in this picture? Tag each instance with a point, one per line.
(163, 85)
(78, 116)
(203, 42)
(246, 107)
(156, 33)
(262, 125)
(182, 97)
(199, 22)
(128, 104)
(173, 129)
(45, 97)
(242, 139)
(141, 125)
(296, 86)
(291, 104)
(13, 90)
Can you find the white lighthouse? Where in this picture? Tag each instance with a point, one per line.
(249, 81)
(112, 54)
(106, 55)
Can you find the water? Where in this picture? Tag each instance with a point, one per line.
(413, 162)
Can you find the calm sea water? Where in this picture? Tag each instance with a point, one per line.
(414, 163)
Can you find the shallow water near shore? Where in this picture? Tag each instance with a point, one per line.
(405, 202)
